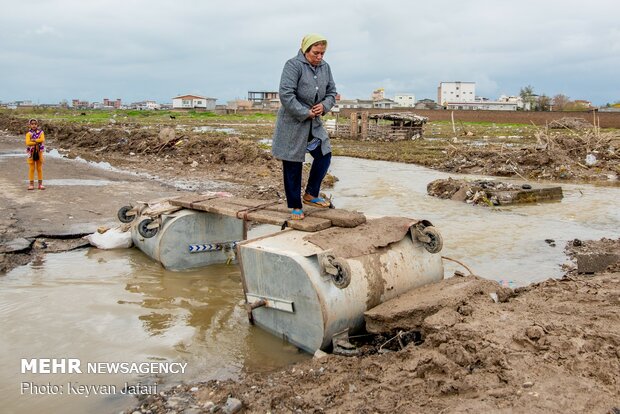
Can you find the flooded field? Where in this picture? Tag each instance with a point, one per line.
(120, 306)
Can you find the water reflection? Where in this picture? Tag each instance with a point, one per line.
(103, 306)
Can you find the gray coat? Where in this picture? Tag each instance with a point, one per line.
(299, 85)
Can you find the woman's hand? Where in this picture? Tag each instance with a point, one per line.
(311, 114)
(317, 109)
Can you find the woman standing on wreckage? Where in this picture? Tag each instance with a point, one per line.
(307, 91)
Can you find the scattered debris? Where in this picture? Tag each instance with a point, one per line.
(570, 123)
(491, 193)
(556, 155)
(594, 256)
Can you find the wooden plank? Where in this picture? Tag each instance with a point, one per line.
(338, 217)
(310, 224)
(278, 218)
(187, 201)
(249, 202)
(217, 207)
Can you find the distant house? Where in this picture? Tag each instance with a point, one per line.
(79, 104)
(521, 104)
(355, 103)
(482, 106)
(145, 105)
(262, 96)
(193, 102)
(384, 103)
(427, 104)
(404, 100)
(239, 104)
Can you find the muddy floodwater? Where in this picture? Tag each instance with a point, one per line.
(505, 243)
(119, 306)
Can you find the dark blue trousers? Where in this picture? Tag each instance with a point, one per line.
(292, 177)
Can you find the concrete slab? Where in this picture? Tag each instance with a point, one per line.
(596, 262)
(17, 245)
(491, 192)
(410, 310)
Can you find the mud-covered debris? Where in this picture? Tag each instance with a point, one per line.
(570, 123)
(491, 193)
(594, 256)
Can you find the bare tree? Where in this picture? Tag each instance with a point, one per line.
(559, 102)
(544, 103)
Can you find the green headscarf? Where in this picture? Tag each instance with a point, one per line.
(311, 39)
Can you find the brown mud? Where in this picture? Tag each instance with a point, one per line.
(551, 347)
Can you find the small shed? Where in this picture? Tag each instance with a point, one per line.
(405, 125)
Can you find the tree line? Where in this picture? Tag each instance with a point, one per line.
(559, 102)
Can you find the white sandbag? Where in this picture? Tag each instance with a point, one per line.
(112, 239)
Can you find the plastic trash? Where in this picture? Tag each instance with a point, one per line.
(112, 239)
(590, 160)
(507, 283)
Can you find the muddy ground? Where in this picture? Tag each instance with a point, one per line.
(548, 154)
(551, 347)
(571, 153)
(165, 151)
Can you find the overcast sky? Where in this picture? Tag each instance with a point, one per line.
(136, 50)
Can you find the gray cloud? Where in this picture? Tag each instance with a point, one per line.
(134, 50)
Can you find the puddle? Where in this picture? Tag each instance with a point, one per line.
(77, 181)
(12, 154)
(204, 129)
(119, 306)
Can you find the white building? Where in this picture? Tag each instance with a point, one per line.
(482, 106)
(383, 103)
(355, 103)
(146, 105)
(404, 100)
(456, 92)
(515, 99)
(193, 102)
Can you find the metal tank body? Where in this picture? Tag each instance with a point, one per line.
(188, 239)
(300, 301)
